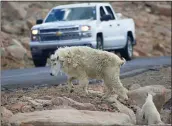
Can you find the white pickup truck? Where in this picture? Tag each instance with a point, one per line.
(86, 24)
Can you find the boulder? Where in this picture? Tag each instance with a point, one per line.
(63, 107)
(30, 22)
(44, 102)
(70, 117)
(167, 104)
(36, 104)
(134, 86)
(17, 27)
(17, 10)
(135, 54)
(155, 125)
(9, 28)
(17, 107)
(166, 116)
(161, 9)
(124, 109)
(34, 13)
(161, 30)
(103, 107)
(140, 23)
(2, 52)
(70, 102)
(25, 42)
(5, 39)
(27, 108)
(16, 42)
(16, 51)
(46, 97)
(160, 95)
(5, 115)
(140, 52)
(147, 9)
(159, 100)
(25, 98)
(139, 119)
(159, 47)
(26, 124)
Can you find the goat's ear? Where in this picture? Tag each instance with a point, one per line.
(144, 116)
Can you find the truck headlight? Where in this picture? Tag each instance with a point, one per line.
(85, 28)
(34, 32)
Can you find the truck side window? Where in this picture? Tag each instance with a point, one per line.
(109, 10)
(102, 12)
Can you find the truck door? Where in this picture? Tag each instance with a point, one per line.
(116, 39)
(105, 28)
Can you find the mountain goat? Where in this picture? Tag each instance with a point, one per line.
(84, 63)
(149, 114)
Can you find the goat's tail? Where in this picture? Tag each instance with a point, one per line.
(123, 61)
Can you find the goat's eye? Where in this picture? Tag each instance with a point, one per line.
(52, 60)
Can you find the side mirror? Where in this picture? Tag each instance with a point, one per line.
(119, 15)
(39, 21)
(106, 17)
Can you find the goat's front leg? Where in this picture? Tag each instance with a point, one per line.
(70, 85)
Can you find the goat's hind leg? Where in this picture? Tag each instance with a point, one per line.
(83, 82)
(107, 92)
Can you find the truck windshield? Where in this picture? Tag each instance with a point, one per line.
(70, 14)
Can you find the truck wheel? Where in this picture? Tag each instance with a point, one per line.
(39, 62)
(100, 43)
(127, 51)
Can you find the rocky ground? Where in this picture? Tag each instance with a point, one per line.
(41, 100)
(152, 20)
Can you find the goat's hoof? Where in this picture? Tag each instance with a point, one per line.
(71, 90)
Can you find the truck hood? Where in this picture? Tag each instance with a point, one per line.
(63, 24)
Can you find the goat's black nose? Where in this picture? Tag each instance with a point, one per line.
(51, 74)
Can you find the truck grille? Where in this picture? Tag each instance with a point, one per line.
(64, 36)
(67, 34)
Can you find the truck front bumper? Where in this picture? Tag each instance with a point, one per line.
(44, 48)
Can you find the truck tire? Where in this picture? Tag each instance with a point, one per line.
(99, 40)
(127, 51)
(39, 62)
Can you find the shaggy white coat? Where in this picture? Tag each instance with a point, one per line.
(84, 63)
(149, 113)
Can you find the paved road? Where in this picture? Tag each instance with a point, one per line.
(40, 76)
